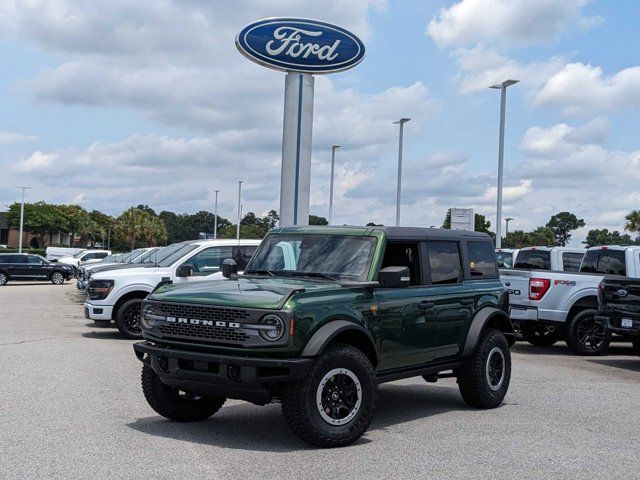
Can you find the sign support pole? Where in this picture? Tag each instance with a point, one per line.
(296, 149)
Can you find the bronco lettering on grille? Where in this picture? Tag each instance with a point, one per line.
(196, 321)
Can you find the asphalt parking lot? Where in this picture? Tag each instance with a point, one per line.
(71, 407)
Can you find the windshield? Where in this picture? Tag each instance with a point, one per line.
(533, 259)
(339, 257)
(504, 259)
(146, 256)
(177, 251)
(134, 254)
(78, 254)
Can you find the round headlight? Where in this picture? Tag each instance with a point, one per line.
(276, 328)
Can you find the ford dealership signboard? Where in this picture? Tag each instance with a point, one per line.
(300, 45)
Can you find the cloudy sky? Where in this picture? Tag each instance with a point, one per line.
(112, 104)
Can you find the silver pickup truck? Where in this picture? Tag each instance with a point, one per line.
(548, 305)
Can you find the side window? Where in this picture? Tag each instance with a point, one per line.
(482, 261)
(209, 260)
(20, 259)
(612, 263)
(33, 260)
(444, 262)
(86, 256)
(571, 261)
(404, 254)
(101, 255)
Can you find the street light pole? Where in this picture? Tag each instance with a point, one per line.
(215, 216)
(21, 218)
(333, 163)
(400, 122)
(503, 99)
(506, 230)
(239, 208)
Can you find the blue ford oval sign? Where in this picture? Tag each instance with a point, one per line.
(300, 45)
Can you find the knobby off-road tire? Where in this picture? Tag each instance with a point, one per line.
(484, 379)
(128, 318)
(586, 336)
(175, 405)
(57, 278)
(539, 335)
(3, 278)
(334, 405)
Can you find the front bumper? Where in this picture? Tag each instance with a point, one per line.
(243, 378)
(614, 324)
(97, 312)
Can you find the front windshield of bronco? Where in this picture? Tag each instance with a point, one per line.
(337, 256)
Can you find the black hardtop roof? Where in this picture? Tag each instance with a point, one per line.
(392, 233)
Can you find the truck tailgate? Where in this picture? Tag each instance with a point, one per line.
(517, 284)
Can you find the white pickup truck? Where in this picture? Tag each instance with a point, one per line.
(117, 294)
(559, 259)
(550, 305)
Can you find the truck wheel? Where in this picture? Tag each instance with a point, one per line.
(586, 336)
(539, 335)
(485, 377)
(635, 341)
(333, 406)
(174, 404)
(128, 318)
(57, 278)
(3, 278)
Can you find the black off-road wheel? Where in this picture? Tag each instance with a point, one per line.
(334, 405)
(57, 278)
(586, 335)
(538, 334)
(128, 318)
(484, 379)
(3, 278)
(175, 404)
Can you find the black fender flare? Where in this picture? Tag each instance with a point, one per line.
(323, 336)
(481, 319)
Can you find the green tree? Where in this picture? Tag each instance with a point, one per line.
(562, 224)
(315, 220)
(632, 223)
(517, 239)
(130, 226)
(605, 237)
(542, 236)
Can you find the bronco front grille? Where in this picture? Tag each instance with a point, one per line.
(201, 332)
(201, 312)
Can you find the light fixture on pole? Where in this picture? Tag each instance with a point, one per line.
(21, 218)
(506, 230)
(215, 216)
(333, 162)
(239, 208)
(503, 99)
(400, 122)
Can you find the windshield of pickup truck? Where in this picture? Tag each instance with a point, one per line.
(148, 256)
(177, 251)
(78, 254)
(608, 262)
(533, 260)
(504, 259)
(334, 256)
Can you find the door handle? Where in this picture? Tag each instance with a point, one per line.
(467, 301)
(424, 306)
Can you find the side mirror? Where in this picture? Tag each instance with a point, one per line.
(394, 277)
(229, 267)
(184, 270)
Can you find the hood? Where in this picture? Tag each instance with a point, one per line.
(249, 292)
(107, 267)
(138, 271)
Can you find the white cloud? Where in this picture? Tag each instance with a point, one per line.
(11, 137)
(582, 88)
(519, 22)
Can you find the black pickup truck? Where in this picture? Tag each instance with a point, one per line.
(619, 307)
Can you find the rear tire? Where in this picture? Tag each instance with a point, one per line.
(174, 405)
(586, 336)
(538, 334)
(128, 318)
(3, 278)
(334, 405)
(57, 278)
(485, 377)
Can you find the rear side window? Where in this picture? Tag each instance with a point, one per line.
(444, 262)
(533, 259)
(571, 261)
(482, 260)
(504, 259)
(6, 258)
(608, 262)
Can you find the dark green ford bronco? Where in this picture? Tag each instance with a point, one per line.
(322, 316)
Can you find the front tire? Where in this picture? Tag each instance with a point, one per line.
(334, 405)
(586, 336)
(128, 318)
(175, 405)
(539, 335)
(3, 278)
(57, 278)
(485, 378)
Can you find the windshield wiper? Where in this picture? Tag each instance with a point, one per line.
(324, 276)
(260, 272)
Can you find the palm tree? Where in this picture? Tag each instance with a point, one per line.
(632, 223)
